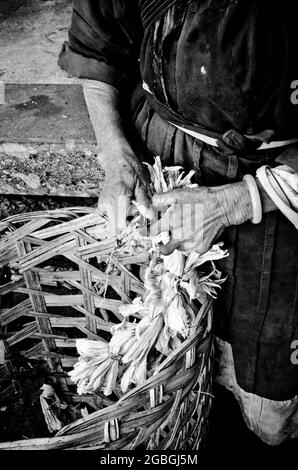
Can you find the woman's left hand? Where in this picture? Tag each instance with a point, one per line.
(197, 217)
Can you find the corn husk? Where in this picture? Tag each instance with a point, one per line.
(160, 320)
(51, 407)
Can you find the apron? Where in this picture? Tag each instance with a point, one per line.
(256, 313)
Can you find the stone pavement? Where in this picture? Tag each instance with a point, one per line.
(47, 143)
(31, 35)
(8, 7)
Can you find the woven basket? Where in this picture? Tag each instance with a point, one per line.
(57, 261)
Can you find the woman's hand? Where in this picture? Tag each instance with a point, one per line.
(126, 180)
(197, 217)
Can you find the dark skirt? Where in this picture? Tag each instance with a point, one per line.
(256, 312)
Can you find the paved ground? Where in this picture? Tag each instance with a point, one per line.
(8, 7)
(50, 114)
(31, 35)
(47, 143)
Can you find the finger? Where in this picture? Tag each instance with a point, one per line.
(102, 209)
(171, 246)
(144, 202)
(181, 196)
(106, 211)
(169, 198)
(142, 196)
(132, 211)
(103, 205)
(164, 224)
(189, 245)
(116, 209)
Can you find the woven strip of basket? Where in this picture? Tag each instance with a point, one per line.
(71, 287)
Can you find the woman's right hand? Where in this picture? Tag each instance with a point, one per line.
(126, 180)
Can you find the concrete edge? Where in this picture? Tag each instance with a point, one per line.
(27, 148)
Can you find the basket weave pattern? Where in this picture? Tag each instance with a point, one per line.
(80, 297)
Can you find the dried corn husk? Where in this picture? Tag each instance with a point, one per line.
(165, 313)
(51, 407)
(99, 362)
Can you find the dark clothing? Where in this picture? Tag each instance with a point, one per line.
(257, 311)
(238, 58)
(215, 65)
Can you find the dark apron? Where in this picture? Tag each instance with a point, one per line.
(256, 311)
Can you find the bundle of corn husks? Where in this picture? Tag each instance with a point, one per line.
(161, 320)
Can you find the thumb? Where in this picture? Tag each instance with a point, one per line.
(169, 198)
(116, 209)
(171, 246)
(143, 202)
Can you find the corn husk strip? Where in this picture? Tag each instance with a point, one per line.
(111, 431)
(24, 333)
(176, 318)
(99, 361)
(50, 252)
(146, 339)
(195, 259)
(66, 227)
(52, 278)
(104, 325)
(9, 256)
(97, 249)
(10, 286)
(157, 176)
(72, 213)
(15, 312)
(88, 332)
(38, 349)
(50, 411)
(124, 336)
(135, 374)
(174, 263)
(87, 347)
(18, 234)
(85, 236)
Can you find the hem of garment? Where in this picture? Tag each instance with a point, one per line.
(272, 421)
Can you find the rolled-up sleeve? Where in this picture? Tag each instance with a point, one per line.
(103, 41)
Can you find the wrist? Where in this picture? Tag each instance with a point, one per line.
(113, 158)
(236, 203)
(241, 207)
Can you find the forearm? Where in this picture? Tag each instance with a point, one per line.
(126, 176)
(102, 103)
